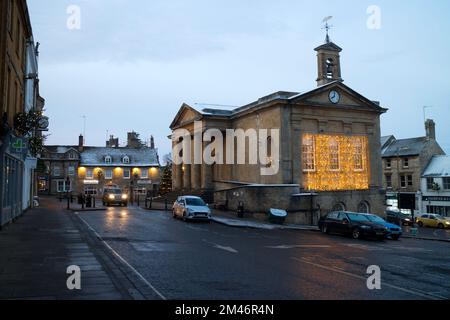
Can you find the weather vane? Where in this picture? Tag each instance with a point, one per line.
(327, 27)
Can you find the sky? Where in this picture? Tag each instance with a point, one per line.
(130, 65)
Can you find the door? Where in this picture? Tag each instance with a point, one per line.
(342, 223)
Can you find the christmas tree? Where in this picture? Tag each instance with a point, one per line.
(166, 180)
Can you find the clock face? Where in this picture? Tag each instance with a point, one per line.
(334, 96)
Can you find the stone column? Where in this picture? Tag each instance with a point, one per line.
(196, 176)
(177, 177)
(207, 176)
(187, 177)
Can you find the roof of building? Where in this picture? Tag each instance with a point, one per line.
(404, 147)
(282, 95)
(95, 156)
(60, 149)
(439, 166)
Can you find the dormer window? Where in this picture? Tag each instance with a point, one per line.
(108, 160)
(126, 160)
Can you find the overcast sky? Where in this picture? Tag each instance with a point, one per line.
(133, 63)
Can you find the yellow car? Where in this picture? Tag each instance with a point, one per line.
(433, 221)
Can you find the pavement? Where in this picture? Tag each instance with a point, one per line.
(36, 251)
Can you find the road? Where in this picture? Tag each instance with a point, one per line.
(179, 260)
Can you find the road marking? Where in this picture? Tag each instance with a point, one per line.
(410, 291)
(124, 261)
(313, 246)
(218, 246)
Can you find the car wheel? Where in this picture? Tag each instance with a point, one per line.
(440, 226)
(184, 217)
(356, 233)
(395, 237)
(174, 214)
(420, 224)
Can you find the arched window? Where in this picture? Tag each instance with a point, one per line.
(364, 207)
(329, 68)
(126, 160)
(340, 206)
(108, 160)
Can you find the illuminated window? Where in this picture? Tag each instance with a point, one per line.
(358, 155)
(144, 174)
(89, 174)
(334, 155)
(308, 155)
(126, 173)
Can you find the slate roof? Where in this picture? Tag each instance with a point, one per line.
(95, 156)
(60, 149)
(439, 166)
(405, 147)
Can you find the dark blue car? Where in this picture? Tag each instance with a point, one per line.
(395, 232)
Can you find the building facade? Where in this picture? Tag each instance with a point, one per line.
(404, 161)
(88, 170)
(329, 154)
(435, 187)
(19, 96)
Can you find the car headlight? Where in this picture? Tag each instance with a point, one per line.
(447, 222)
(407, 219)
(111, 197)
(366, 227)
(124, 197)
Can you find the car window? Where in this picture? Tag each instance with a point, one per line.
(342, 216)
(358, 217)
(377, 219)
(439, 217)
(333, 215)
(195, 202)
(432, 217)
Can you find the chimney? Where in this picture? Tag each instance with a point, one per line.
(430, 129)
(112, 142)
(152, 142)
(80, 143)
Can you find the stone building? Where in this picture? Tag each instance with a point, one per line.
(88, 169)
(435, 187)
(60, 169)
(18, 95)
(329, 155)
(404, 161)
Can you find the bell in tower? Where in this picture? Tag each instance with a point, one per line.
(328, 60)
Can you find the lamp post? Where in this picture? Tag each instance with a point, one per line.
(67, 191)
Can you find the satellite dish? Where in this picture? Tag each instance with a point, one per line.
(326, 19)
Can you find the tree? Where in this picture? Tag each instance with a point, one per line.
(166, 180)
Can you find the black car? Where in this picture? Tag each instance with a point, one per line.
(350, 223)
(399, 218)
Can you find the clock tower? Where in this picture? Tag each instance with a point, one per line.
(328, 61)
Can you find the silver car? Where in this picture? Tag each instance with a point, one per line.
(191, 208)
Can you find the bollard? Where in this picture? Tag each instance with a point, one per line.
(138, 200)
(165, 204)
(151, 202)
(68, 201)
(82, 202)
(146, 203)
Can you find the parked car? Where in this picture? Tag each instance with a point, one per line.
(395, 231)
(355, 224)
(114, 196)
(433, 221)
(191, 208)
(399, 218)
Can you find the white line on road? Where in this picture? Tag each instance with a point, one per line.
(410, 291)
(313, 246)
(218, 246)
(124, 261)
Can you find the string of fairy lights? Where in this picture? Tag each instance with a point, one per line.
(335, 162)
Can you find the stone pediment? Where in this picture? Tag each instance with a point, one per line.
(185, 115)
(348, 98)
